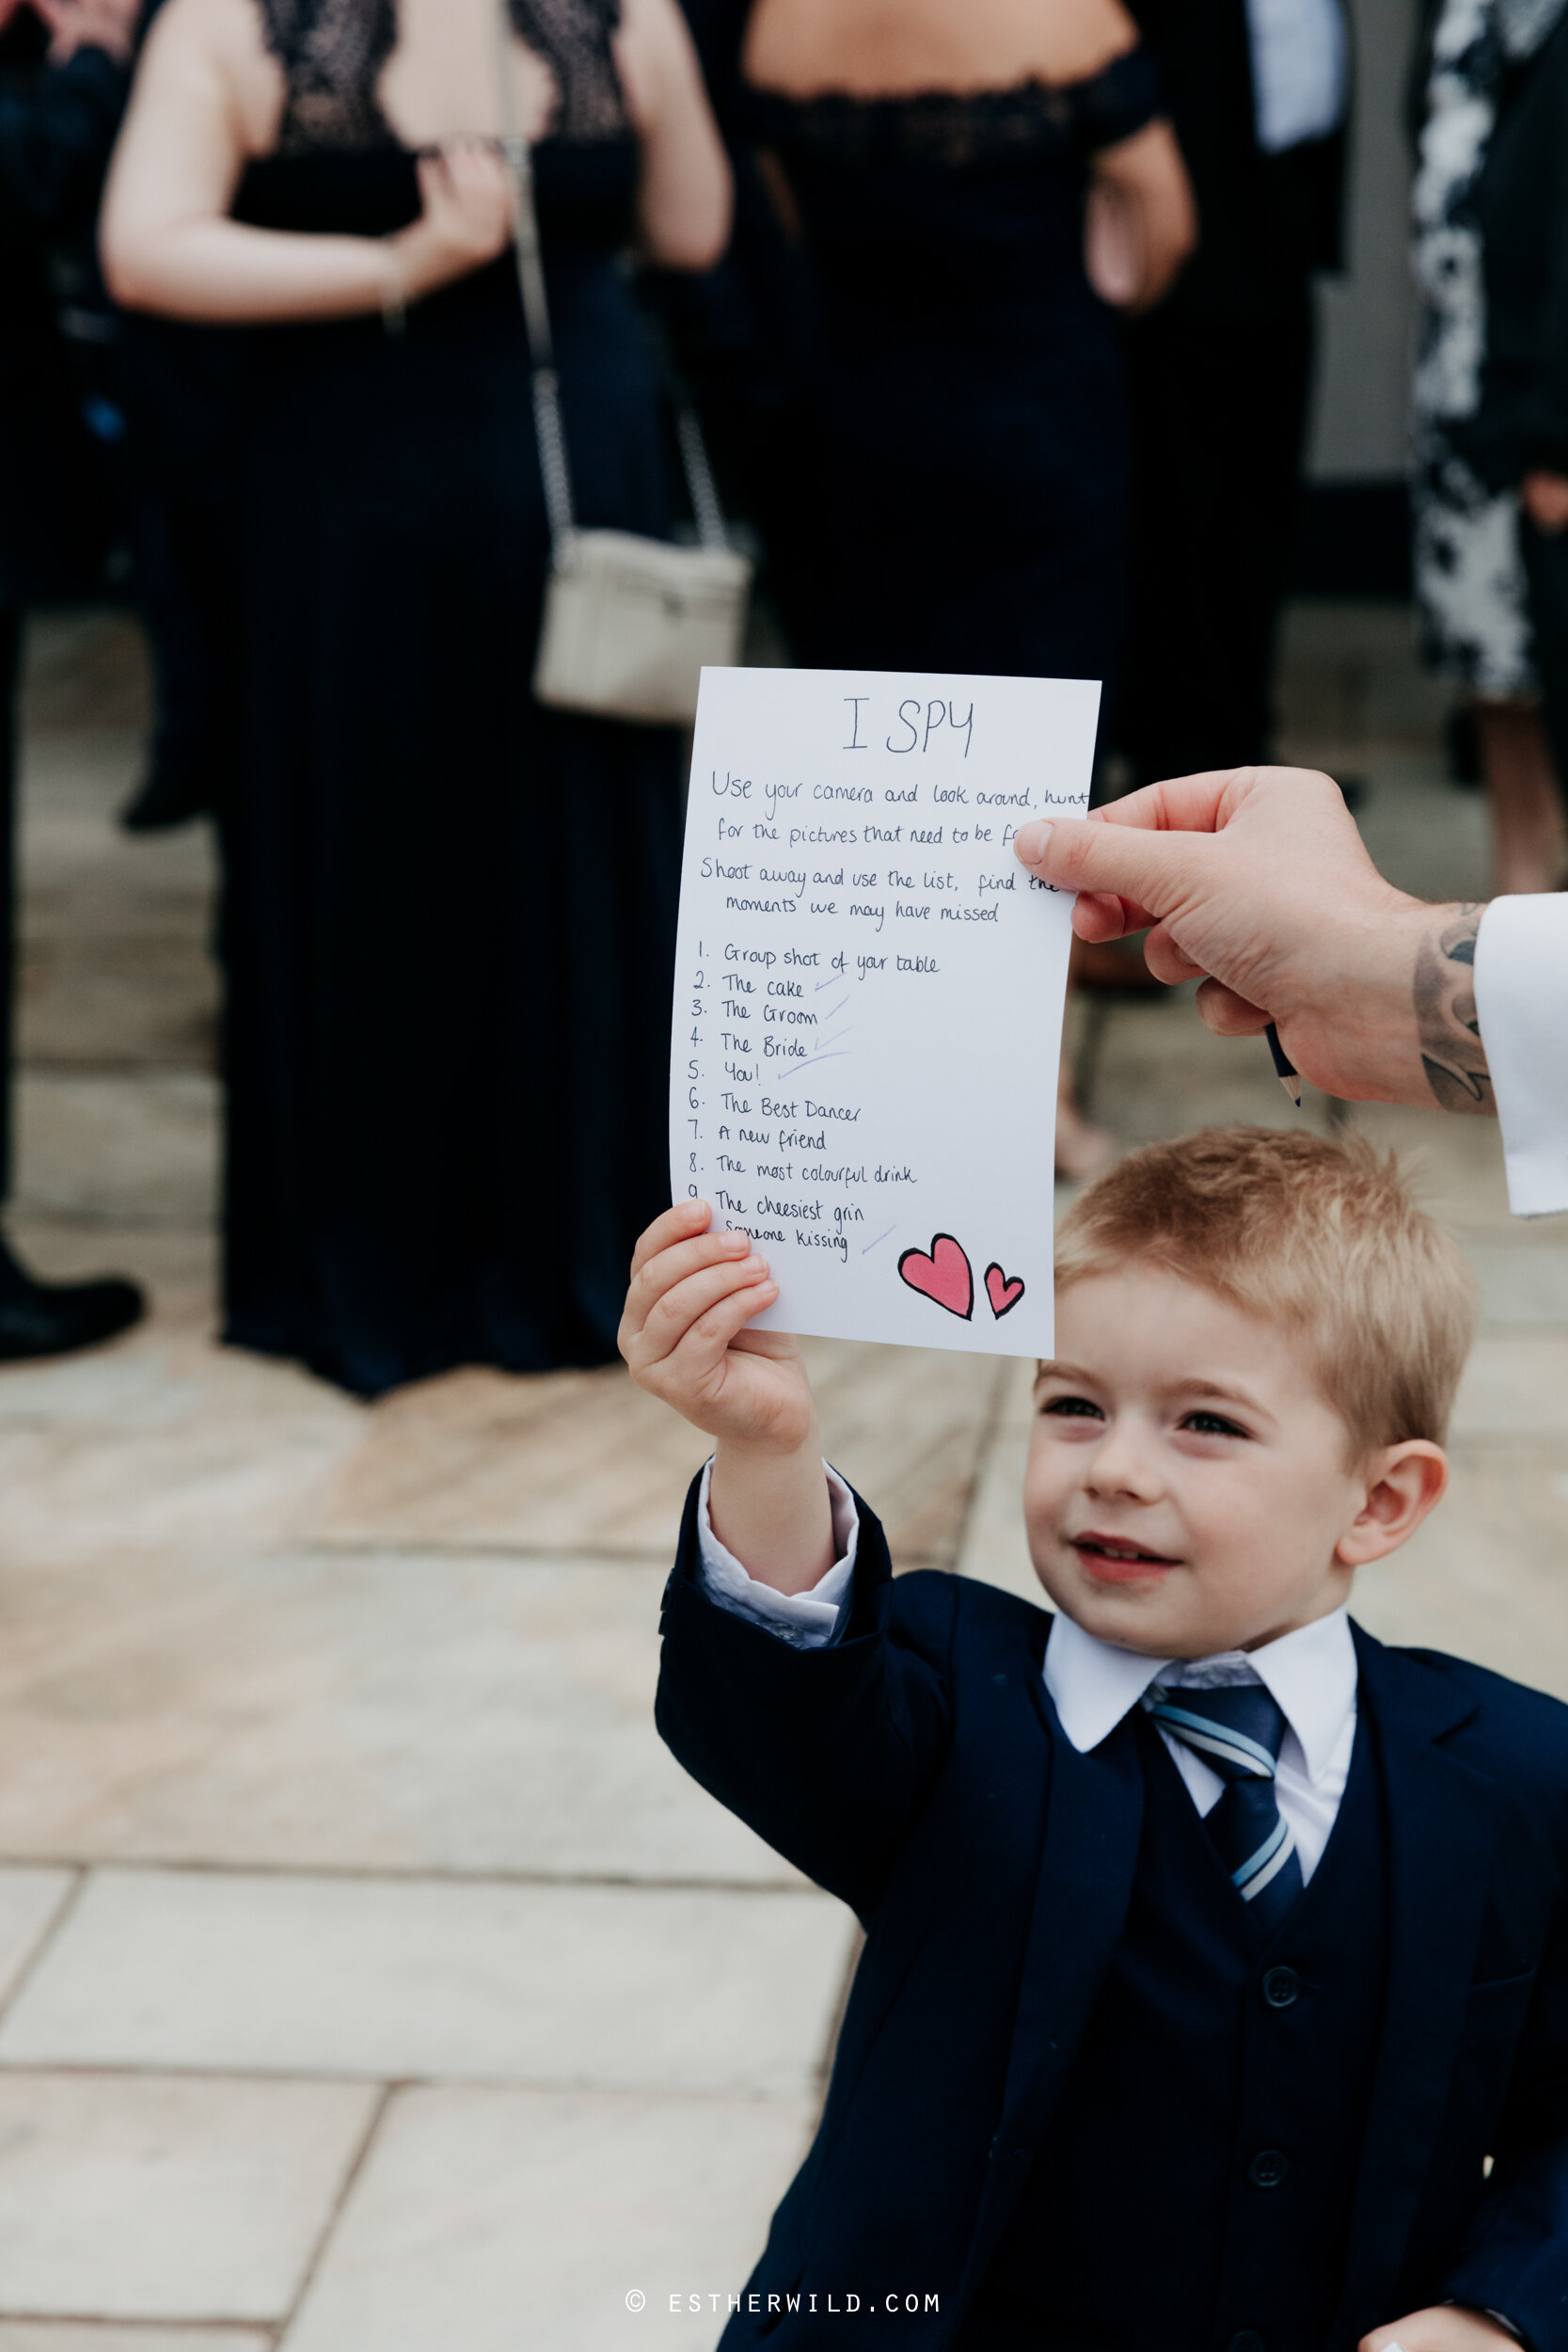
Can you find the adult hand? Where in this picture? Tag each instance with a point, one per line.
(1447, 2328)
(1255, 880)
(466, 191)
(1545, 499)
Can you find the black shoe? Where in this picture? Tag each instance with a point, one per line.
(52, 1318)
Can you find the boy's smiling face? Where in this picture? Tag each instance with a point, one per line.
(1190, 1488)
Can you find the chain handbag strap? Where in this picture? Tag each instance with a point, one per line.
(707, 510)
(536, 309)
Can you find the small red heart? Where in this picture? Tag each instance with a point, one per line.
(944, 1275)
(1003, 1295)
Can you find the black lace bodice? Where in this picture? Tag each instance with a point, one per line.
(333, 53)
(943, 131)
(920, 204)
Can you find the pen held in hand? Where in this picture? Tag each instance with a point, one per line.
(1285, 1069)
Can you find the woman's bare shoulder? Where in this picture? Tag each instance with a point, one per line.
(893, 48)
(215, 52)
(1094, 34)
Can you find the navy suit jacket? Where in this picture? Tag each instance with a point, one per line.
(916, 1768)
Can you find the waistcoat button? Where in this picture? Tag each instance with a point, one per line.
(1247, 2340)
(1280, 1987)
(1268, 2168)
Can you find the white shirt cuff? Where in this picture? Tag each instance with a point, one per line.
(1520, 996)
(805, 1620)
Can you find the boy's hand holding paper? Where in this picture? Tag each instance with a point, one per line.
(684, 1335)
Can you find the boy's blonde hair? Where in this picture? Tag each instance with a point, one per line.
(1322, 1237)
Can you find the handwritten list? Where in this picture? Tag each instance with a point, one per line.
(868, 993)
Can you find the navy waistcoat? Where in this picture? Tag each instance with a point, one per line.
(1195, 2190)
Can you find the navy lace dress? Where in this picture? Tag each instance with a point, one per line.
(449, 926)
(971, 427)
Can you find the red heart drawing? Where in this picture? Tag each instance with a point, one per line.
(944, 1275)
(1003, 1295)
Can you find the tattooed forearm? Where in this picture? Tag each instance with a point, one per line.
(1453, 1054)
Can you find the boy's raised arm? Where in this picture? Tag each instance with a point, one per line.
(684, 1335)
(827, 1741)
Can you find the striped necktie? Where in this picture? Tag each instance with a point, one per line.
(1238, 1731)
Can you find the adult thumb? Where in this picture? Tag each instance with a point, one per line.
(1152, 873)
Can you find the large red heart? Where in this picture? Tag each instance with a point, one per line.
(1004, 1295)
(944, 1275)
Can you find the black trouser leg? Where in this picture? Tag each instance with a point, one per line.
(1219, 421)
(1547, 568)
(11, 656)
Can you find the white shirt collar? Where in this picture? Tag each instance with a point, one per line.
(1311, 1673)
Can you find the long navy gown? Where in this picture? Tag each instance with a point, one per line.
(968, 507)
(449, 921)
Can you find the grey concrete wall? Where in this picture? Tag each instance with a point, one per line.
(1363, 387)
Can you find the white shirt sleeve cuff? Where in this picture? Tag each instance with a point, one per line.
(1521, 991)
(805, 1620)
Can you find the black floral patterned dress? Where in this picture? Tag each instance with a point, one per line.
(1470, 583)
(449, 914)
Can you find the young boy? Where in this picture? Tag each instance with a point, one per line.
(1214, 1996)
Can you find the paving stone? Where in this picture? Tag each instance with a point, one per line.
(85, 666)
(125, 2197)
(115, 966)
(1428, 835)
(905, 1426)
(995, 1546)
(402, 1711)
(58, 2335)
(1522, 1282)
(587, 1460)
(30, 1901)
(125, 1149)
(1455, 1167)
(578, 1459)
(1487, 1576)
(1350, 676)
(1516, 1387)
(177, 1265)
(642, 1989)
(133, 1002)
(1154, 1070)
(158, 1441)
(514, 2221)
(76, 853)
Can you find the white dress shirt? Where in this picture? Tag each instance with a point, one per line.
(1299, 69)
(1521, 1003)
(1310, 1674)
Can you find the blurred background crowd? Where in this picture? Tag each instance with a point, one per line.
(1004, 325)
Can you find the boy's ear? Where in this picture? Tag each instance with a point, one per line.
(1404, 1483)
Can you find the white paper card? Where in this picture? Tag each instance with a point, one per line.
(868, 995)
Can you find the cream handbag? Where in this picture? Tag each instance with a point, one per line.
(629, 622)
